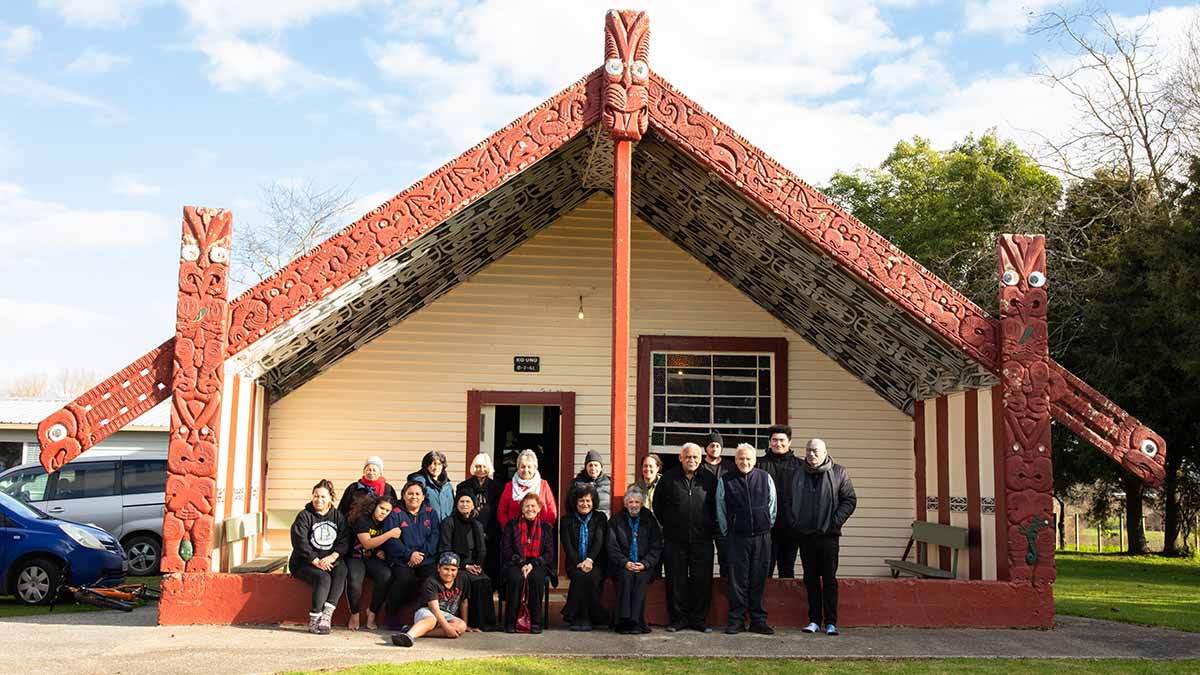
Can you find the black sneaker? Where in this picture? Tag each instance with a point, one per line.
(674, 627)
(700, 628)
(535, 629)
(733, 629)
(510, 629)
(645, 629)
(762, 629)
(402, 640)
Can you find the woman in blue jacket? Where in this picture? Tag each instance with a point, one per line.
(412, 553)
(439, 491)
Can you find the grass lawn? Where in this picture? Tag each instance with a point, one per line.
(1135, 589)
(525, 665)
(10, 607)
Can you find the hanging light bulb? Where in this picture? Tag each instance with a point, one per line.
(581, 307)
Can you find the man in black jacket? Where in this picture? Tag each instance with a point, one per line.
(717, 465)
(781, 464)
(685, 503)
(822, 500)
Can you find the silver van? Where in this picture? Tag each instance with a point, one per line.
(119, 491)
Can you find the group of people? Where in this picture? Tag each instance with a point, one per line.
(448, 546)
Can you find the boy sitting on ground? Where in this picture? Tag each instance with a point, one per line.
(445, 598)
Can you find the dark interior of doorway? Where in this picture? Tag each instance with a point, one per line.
(510, 442)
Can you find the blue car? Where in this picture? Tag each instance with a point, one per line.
(35, 549)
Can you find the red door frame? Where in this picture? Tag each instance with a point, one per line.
(565, 400)
(648, 344)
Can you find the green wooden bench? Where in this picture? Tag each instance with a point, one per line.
(954, 538)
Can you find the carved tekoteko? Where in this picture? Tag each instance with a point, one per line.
(1024, 350)
(201, 324)
(626, 113)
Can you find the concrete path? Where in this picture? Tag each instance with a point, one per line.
(110, 642)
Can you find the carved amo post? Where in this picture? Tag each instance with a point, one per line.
(1024, 350)
(625, 116)
(201, 326)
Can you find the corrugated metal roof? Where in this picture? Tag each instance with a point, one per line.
(30, 411)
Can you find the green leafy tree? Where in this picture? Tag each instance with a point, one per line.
(945, 207)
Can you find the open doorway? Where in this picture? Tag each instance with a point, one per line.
(503, 423)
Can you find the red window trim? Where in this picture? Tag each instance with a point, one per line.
(648, 344)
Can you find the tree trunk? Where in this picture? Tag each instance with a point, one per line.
(1062, 523)
(1133, 515)
(1171, 507)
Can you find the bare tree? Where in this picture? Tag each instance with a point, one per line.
(1122, 91)
(1185, 90)
(29, 385)
(299, 215)
(73, 382)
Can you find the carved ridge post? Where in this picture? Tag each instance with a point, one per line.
(626, 116)
(201, 333)
(1024, 350)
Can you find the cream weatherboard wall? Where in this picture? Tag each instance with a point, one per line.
(404, 393)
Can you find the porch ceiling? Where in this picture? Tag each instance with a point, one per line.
(420, 273)
(857, 327)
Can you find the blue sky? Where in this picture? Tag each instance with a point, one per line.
(118, 112)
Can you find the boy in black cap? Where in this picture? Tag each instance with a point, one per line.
(444, 598)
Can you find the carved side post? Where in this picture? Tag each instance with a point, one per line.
(201, 326)
(1024, 351)
(625, 116)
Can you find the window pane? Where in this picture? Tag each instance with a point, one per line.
(730, 415)
(764, 410)
(687, 413)
(660, 408)
(764, 382)
(87, 480)
(27, 486)
(725, 386)
(734, 373)
(11, 453)
(764, 362)
(735, 361)
(689, 381)
(660, 359)
(143, 476)
(689, 360)
(660, 380)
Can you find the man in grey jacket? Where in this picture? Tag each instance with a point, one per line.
(822, 500)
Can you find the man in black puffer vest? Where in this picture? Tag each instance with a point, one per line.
(746, 508)
(822, 500)
(781, 464)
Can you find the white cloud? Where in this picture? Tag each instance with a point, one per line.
(92, 61)
(33, 315)
(240, 16)
(97, 13)
(18, 41)
(919, 69)
(132, 185)
(29, 225)
(237, 65)
(16, 85)
(1003, 16)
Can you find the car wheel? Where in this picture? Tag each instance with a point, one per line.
(36, 581)
(143, 553)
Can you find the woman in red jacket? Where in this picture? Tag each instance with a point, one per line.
(527, 481)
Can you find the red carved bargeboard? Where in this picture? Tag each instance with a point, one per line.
(1105, 425)
(408, 215)
(201, 321)
(626, 74)
(1024, 349)
(106, 407)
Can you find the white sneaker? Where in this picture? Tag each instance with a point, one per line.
(811, 628)
(831, 629)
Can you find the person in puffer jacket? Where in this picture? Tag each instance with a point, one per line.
(412, 553)
(320, 542)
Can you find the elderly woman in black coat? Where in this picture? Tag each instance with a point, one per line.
(527, 551)
(635, 545)
(485, 490)
(583, 530)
